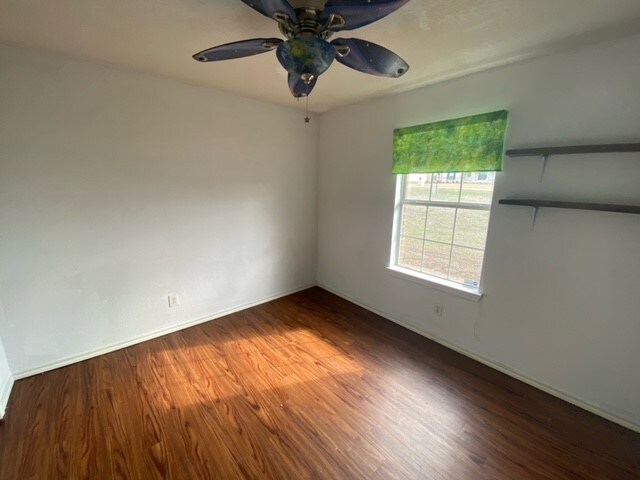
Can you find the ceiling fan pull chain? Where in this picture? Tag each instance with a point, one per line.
(307, 119)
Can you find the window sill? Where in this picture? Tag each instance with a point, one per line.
(441, 284)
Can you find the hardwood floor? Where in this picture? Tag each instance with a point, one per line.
(308, 386)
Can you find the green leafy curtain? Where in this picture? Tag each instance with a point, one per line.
(468, 144)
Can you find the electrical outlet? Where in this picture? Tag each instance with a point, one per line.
(437, 309)
(174, 300)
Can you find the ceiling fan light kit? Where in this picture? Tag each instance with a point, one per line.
(307, 53)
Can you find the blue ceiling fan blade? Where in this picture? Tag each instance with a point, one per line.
(299, 88)
(244, 48)
(359, 13)
(369, 58)
(270, 7)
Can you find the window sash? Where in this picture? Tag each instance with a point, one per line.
(434, 203)
(402, 201)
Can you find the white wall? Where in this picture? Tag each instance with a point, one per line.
(6, 379)
(118, 189)
(561, 306)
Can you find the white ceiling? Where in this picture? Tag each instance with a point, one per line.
(440, 39)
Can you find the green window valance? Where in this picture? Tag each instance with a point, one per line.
(468, 144)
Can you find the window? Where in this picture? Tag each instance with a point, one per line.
(446, 171)
(441, 225)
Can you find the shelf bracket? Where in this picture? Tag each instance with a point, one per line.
(534, 214)
(543, 166)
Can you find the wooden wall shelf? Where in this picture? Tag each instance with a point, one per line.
(603, 207)
(574, 149)
(545, 152)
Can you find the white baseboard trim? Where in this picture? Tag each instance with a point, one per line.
(5, 391)
(496, 366)
(149, 336)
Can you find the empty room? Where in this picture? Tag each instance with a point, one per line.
(320, 239)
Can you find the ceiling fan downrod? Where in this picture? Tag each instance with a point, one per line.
(309, 24)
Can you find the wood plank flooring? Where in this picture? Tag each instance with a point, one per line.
(307, 386)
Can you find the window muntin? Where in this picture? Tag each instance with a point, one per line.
(442, 223)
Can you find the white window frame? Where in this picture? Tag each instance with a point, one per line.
(459, 289)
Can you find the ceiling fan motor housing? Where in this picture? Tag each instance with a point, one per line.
(306, 56)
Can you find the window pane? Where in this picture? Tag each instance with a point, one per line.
(471, 228)
(477, 187)
(436, 259)
(466, 265)
(445, 241)
(440, 224)
(410, 253)
(417, 186)
(446, 187)
(413, 218)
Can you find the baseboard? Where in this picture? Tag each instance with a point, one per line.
(149, 336)
(578, 402)
(5, 391)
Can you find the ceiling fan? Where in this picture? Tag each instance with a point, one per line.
(306, 53)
